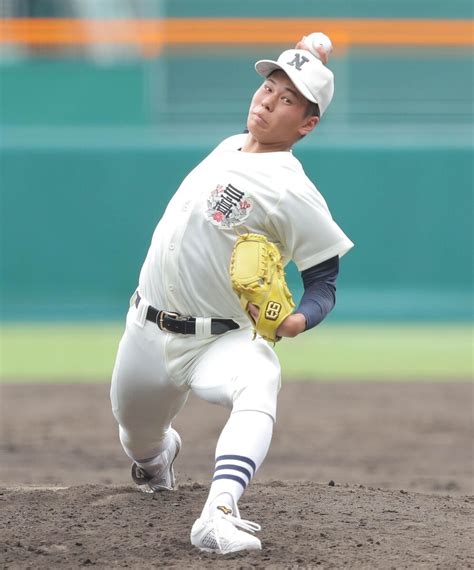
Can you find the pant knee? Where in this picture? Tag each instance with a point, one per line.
(141, 446)
(259, 393)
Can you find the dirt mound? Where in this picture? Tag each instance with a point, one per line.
(400, 455)
(303, 525)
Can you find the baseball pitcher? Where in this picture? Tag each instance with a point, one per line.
(212, 300)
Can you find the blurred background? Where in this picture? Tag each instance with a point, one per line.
(105, 105)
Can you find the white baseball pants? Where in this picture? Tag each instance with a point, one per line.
(155, 370)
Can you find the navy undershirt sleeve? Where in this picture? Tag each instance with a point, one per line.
(319, 295)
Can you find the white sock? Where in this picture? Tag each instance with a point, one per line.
(241, 449)
(221, 503)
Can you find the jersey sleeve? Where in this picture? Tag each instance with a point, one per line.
(304, 227)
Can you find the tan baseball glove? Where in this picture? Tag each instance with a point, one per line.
(257, 275)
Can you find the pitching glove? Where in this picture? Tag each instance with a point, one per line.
(257, 275)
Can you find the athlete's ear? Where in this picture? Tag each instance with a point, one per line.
(308, 126)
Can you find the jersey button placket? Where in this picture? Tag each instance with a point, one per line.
(173, 248)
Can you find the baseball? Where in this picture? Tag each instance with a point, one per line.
(319, 45)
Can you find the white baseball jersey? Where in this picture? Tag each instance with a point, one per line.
(230, 192)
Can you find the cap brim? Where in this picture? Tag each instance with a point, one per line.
(266, 66)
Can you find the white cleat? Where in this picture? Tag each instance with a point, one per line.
(163, 480)
(221, 533)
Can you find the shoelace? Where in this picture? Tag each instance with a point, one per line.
(243, 524)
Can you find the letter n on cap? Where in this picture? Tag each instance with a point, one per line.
(298, 61)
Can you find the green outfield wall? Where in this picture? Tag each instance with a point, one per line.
(318, 8)
(76, 225)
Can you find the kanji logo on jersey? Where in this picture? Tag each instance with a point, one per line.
(227, 206)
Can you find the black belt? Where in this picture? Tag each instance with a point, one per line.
(175, 323)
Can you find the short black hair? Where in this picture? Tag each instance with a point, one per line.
(312, 110)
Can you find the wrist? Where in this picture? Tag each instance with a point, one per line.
(292, 326)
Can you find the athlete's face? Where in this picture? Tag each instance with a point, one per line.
(278, 113)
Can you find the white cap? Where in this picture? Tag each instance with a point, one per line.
(308, 74)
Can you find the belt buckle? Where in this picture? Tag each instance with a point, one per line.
(161, 316)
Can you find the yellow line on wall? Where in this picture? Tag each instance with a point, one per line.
(152, 35)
